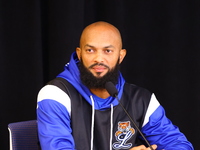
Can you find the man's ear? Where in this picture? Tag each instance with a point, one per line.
(78, 52)
(122, 55)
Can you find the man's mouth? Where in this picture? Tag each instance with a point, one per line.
(99, 68)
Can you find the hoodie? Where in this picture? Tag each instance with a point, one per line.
(55, 116)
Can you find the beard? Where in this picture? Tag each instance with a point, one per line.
(93, 82)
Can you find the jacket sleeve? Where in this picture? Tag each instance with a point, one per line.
(159, 130)
(53, 115)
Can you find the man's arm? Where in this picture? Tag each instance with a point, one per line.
(53, 115)
(159, 130)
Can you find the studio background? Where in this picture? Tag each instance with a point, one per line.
(162, 39)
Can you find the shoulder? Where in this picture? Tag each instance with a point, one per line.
(137, 97)
(54, 94)
(51, 92)
(133, 89)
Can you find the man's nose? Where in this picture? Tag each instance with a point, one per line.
(99, 57)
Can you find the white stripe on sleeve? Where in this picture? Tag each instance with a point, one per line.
(54, 93)
(153, 105)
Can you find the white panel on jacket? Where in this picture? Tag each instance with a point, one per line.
(153, 105)
(54, 93)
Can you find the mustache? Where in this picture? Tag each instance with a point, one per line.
(98, 64)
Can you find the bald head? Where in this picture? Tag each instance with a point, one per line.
(102, 31)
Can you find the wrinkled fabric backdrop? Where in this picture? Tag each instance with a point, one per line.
(162, 39)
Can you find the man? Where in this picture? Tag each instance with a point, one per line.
(90, 118)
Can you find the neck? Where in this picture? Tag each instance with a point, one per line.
(102, 93)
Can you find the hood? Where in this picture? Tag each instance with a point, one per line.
(72, 75)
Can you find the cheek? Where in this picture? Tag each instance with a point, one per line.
(114, 62)
(85, 62)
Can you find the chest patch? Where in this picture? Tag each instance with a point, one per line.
(123, 134)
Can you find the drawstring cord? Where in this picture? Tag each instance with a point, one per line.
(92, 124)
(111, 126)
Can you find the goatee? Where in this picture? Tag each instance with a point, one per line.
(92, 82)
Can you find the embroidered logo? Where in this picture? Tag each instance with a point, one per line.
(124, 133)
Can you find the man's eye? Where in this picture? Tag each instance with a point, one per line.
(108, 51)
(89, 50)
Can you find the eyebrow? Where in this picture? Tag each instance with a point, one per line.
(87, 45)
(109, 46)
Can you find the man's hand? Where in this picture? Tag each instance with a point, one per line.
(142, 147)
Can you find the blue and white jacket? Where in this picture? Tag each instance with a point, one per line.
(89, 122)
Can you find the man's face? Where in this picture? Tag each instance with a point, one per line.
(100, 54)
(100, 50)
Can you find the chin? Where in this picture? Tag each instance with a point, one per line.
(99, 74)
